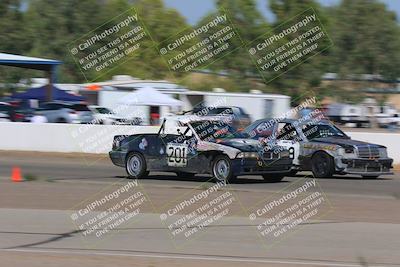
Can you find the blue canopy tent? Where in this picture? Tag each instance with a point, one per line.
(47, 65)
(40, 93)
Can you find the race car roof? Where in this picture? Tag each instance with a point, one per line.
(286, 120)
(184, 119)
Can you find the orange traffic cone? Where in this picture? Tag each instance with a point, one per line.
(16, 174)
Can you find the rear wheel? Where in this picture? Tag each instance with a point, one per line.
(273, 178)
(322, 165)
(222, 169)
(136, 166)
(293, 173)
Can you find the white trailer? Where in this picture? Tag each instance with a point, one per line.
(346, 113)
(257, 105)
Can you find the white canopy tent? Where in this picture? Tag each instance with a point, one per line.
(148, 96)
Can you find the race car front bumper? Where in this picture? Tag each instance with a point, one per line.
(362, 166)
(257, 166)
(118, 157)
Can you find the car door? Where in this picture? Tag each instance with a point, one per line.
(83, 112)
(152, 147)
(288, 137)
(52, 111)
(181, 151)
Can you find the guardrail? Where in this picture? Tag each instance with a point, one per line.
(75, 138)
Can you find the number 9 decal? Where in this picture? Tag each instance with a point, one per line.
(291, 152)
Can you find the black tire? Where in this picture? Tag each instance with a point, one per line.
(273, 177)
(322, 165)
(293, 173)
(185, 174)
(221, 169)
(370, 176)
(135, 166)
(61, 120)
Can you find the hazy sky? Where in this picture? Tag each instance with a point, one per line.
(193, 10)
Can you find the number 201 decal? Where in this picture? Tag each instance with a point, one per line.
(177, 155)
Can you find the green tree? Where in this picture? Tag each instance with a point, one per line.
(249, 24)
(12, 38)
(367, 39)
(52, 25)
(161, 23)
(306, 76)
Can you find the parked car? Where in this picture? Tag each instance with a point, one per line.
(346, 113)
(16, 111)
(321, 147)
(201, 145)
(388, 121)
(62, 112)
(236, 116)
(103, 115)
(4, 117)
(5, 111)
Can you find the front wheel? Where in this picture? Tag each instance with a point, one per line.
(273, 178)
(136, 166)
(322, 165)
(222, 169)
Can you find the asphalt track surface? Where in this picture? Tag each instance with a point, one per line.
(362, 229)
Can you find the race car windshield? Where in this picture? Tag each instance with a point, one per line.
(104, 111)
(321, 131)
(214, 130)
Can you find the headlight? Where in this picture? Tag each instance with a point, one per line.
(383, 152)
(346, 150)
(242, 155)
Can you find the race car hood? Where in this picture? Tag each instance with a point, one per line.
(343, 142)
(243, 144)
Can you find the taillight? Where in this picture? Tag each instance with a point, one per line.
(19, 116)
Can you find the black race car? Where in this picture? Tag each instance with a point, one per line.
(187, 145)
